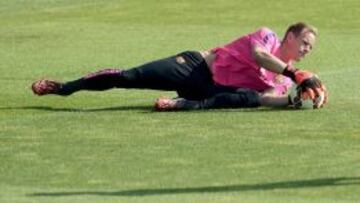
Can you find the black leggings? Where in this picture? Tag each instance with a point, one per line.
(187, 73)
(242, 98)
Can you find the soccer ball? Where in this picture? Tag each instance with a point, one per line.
(302, 100)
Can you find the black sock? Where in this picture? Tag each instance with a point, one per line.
(98, 81)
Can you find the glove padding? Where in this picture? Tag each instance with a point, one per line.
(313, 86)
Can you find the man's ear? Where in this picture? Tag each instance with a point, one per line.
(290, 37)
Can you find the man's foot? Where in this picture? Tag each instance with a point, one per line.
(166, 104)
(44, 87)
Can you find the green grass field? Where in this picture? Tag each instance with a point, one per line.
(112, 147)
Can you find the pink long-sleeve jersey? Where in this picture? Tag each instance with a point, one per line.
(235, 65)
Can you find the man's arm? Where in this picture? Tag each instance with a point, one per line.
(307, 80)
(268, 61)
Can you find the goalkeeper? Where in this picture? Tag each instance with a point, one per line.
(258, 61)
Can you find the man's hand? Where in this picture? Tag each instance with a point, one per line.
(309, 83)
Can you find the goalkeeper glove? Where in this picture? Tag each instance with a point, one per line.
(309, 83)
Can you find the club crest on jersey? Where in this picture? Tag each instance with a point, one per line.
(267, 37)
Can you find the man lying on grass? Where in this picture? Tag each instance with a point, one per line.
(258, 61)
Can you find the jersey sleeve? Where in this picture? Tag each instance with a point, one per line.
(264, 38)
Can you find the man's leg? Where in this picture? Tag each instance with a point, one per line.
(98, 81)
(243, 98)
(164, 74)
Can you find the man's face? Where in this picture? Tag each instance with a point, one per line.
(300, 46)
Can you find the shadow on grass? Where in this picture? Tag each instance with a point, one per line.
(48, 108)
(141, 108)
(296, 184)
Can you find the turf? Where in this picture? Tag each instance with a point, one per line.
(112, 147)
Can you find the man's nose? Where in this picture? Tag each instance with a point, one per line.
(307, 49)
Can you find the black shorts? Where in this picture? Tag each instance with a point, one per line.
(187, 73)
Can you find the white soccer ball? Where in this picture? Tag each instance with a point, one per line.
(302, 100)
(305, 104)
